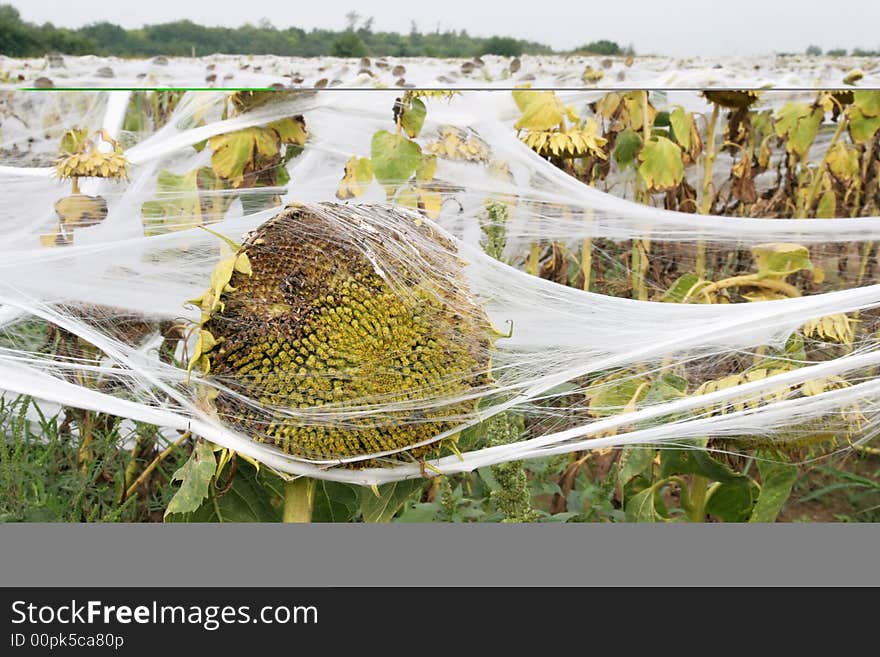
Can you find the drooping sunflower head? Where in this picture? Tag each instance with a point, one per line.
(350, 331)
(732, 98)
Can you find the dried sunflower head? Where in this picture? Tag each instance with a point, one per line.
(453, 143)
(732, 98)
(344, 331)
(80, 157)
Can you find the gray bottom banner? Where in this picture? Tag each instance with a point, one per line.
(441, 555)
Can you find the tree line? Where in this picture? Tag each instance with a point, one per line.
(816, 51)
(19, 38)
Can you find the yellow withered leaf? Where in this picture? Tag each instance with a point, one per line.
(818, 386)
(634, 116)
(541, 110)
(835, 328)
(231, 153)
(428, 201)
(266, 142)
(291, 130)
(357, 177)
(80, 210)
(843, 161)
(587, 139)
(453, 143)
(608, 104)
(427, 168)
(243, 264)
(200, 360)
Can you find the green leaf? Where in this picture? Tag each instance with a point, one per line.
(666, 387)
(794, 355)
(662, 119)
(641, 507)
(178, 206)
(634, 461)
(798, 123)
(610, 395)
(856, 479)
(732, 502)
(137, 115)
(862, 128)
(419, 512)
(802, 137)
(777, 480)
(391, 498)
(282, 177)
(394, 157)
(827, 206)
(626, 146)
(661, 166)
(778, 260)
(488, 478)
(681, 123)
(795, 349)
(685, 287)
(560, 517)
(254, 497)
(413, 117)
(335, 502)
(788, 116)
(195, 478)
(697, 461)
(868, 101)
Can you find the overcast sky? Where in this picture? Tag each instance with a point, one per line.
(674, 27)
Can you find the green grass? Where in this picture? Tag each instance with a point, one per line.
(844, 495)
(43, 480)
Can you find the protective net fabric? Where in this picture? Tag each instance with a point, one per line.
(556, 71)
(359, 339)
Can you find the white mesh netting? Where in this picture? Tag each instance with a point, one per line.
(353, 339)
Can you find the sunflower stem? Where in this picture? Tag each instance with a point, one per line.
(706, 197)
(699, 487)
(299, 499)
